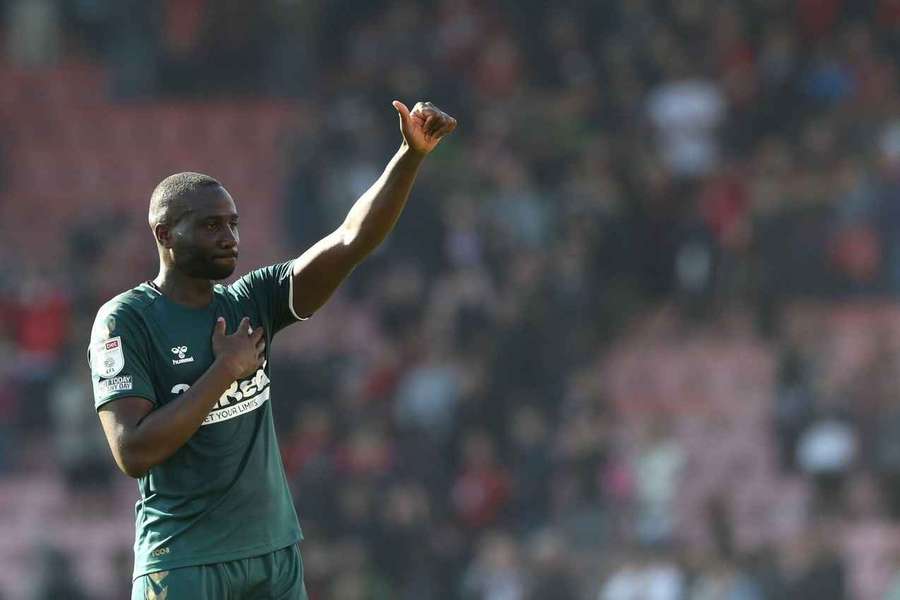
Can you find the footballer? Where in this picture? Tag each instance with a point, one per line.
(180, 375)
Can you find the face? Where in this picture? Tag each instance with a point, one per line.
(204, 243)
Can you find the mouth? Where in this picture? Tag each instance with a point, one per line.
(227, 257)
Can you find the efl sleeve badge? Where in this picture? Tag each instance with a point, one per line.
(107, 357)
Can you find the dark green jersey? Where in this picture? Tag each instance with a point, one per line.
(222, 496)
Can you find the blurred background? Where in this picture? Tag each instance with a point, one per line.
(635, 337)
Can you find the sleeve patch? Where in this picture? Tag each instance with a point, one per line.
(107, 357)
(108, 387)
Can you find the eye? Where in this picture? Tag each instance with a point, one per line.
(212, 225)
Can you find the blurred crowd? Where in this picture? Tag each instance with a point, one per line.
(633, 338)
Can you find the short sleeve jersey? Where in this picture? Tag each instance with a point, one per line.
(223, 495)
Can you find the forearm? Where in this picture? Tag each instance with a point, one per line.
(374, 215)
(163, 431)
(322, 268)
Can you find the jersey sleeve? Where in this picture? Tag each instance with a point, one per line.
(271, 290)
(118, 356)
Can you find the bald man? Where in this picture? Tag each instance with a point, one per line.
(180, 373)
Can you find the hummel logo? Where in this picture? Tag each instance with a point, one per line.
(181, 351)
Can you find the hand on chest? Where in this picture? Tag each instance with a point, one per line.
(183, 354)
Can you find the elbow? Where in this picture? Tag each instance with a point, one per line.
(131, 462)
(133, 470)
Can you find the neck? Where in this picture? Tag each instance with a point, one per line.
(183, 289)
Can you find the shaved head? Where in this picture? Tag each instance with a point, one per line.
(174, 197)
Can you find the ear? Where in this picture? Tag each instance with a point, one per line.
(163, 235)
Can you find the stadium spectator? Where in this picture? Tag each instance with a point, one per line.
(708, 190)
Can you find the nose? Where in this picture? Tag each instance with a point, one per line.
(229, 238)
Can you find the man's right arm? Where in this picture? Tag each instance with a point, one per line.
(141, 438)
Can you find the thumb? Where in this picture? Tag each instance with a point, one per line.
(219, 329)
(402, 110)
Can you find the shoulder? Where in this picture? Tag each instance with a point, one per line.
(129, 302)
(123, 309)
(270, 274)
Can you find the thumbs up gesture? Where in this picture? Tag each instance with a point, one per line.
(424, 126)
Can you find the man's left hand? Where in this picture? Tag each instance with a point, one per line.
(424, 126)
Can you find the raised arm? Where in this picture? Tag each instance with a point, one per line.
(321, 269)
